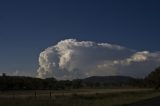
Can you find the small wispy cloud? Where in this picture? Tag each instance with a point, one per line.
(16, 73)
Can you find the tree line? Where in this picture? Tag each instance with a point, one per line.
(29, 83)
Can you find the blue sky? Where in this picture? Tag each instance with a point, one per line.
(28, 27)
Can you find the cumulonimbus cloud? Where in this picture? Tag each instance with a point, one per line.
(70, 59)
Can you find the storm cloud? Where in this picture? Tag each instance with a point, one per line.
(70, 59)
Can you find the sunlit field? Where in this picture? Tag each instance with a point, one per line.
(81, 97)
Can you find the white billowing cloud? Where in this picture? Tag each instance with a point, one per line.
(70, 59)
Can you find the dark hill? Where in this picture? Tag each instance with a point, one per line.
(108, 79)
(29, 83)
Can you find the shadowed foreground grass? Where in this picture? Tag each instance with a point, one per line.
(76, 99)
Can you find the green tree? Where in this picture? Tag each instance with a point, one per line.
(153, 79)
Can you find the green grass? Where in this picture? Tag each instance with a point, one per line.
(97, 97)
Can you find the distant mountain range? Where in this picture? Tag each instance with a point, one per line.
(29, 83)
(108, 79)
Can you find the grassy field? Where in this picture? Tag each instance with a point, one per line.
(82, 97)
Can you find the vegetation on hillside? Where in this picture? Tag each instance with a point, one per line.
(29, 83)
(153, 79)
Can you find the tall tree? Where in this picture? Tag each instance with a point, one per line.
(153, 79)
